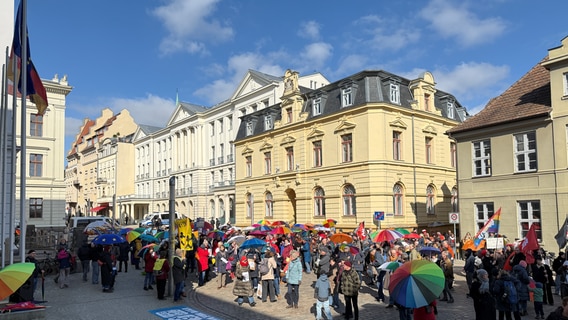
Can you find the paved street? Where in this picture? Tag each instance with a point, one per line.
(83, 300)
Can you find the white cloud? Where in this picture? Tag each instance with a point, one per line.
(473, 79)
(72, 126)
(350, 64)
(385, 34)
(149, 110)
(190, 26)
(457, 21)
(310, 30)
(315, 55)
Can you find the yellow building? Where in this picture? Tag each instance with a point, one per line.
(371, 142)
(100, 165)
(513, 155)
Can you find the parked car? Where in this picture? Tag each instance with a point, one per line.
(164, 217)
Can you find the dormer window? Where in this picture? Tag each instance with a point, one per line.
(317, 106)
(394, 93)
(346, 97)
(450, 109)
(565, 84)
(267, 122)
(249, 128)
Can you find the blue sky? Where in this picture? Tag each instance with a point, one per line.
(135, 54)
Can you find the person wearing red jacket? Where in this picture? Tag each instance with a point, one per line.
(202, 263)
(149, 259)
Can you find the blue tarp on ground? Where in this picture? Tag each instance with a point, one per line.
(181, 313)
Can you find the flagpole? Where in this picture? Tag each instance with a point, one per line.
(23, 153)
(13, 161)
(3, 153)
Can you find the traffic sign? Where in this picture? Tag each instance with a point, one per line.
(379, 215)
(454, 217)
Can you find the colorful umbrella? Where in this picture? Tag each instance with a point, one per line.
(262, 229)
(253, 243)
(264, 222)
(281, 230)
(387, 235)
(257, 233)
(353, 249)
(215, 234)
(299, 226)
(97, 227)
(340, 238)
(402, 230)
(330, 223)
(108, 239)
(124, 231)
(140, 230)
(132, 235)
(162, 235)
(416, 283)
(412, 235)
(148, 238)
(280, 223)
(238, 239)
(390, 266)
(13, 276)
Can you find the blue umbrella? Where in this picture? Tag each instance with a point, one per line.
(427, 250)
(148, 238)
(108, 239)
(253, 243)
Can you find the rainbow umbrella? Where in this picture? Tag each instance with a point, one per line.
(281, 230)
(280, 223)
(264, 222)
(12, 277)
(402, 230)
(387, 235)
(352, 249)
(416, 283)
(132, 235)
(330, 223)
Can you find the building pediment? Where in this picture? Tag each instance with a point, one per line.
(247, 151)
(344, 126)
(398, 123)
(429, 129)
(287, 141)
(265, 146)
(315, 133)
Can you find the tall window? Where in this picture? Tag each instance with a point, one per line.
(268, 205)
(529, 213)
(36, 165)
(482, 158)
(289, 115)
(36, 126)
(396, 145)
(453, 154)
(346, 97)
(349, 208)
(268, 162)
(427, 102)
(317, 153)
(212, 125)
(565, 84)
(450, 106)
(267, 122)
(248, 161)
(346, 148)
(454, 200)
(290, 158)
(249, 128)
(250, 205)
(525, 152)
(229, 122)
(316, 107)
(430, 200)
(483, 211)
(394, 93)
(212, 208)
(36, 208)
(319, 202)
(428, 146)
(398, 200)
(220, 125)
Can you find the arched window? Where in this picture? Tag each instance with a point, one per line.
(455, 207)
(430, 199)
(221, 208)
(212, 208)
(349, 208)
(250, 205)
(398, 200)
(319, 202)
(268, 208)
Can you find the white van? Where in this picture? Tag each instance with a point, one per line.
(82, 222)
(164, 217)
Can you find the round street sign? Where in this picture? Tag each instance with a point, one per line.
(454, 217)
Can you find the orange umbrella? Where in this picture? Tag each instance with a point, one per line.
(340, 238)
(281, 230)
(12, 277)
(469, 244)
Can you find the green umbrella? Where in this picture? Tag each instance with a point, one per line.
(402, 230)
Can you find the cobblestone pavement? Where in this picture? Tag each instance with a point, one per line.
(83, 300)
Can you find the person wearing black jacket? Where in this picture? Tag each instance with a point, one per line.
(556, 265)
(84, 254)
(95, 253)
(106, 270)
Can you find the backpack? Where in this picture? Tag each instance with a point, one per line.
(158, 266)
(509, 293)
(62, 254)
(263, 267)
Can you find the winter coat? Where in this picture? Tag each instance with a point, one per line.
(253, 256)
(124, 249)
(359, 261)
(324, 263)
(448, 268)
(322, 288)
(557, 315)
(177, 270)
(221, 260)
(294, 273)
(498, 290)
(202, 259)
(242, 288)
(165, 271)
(272, 265)
(523, 287)
(149, 260)
(350, 283)
(483, 303)
(84, 252)
(64, 260)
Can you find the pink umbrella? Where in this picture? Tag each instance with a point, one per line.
(387, 235)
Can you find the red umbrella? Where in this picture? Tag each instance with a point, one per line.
(279, 223)
(412, 235)
(387, 235)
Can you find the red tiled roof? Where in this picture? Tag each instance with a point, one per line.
(526, 98)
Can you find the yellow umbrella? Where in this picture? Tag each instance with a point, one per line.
(132, 235)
